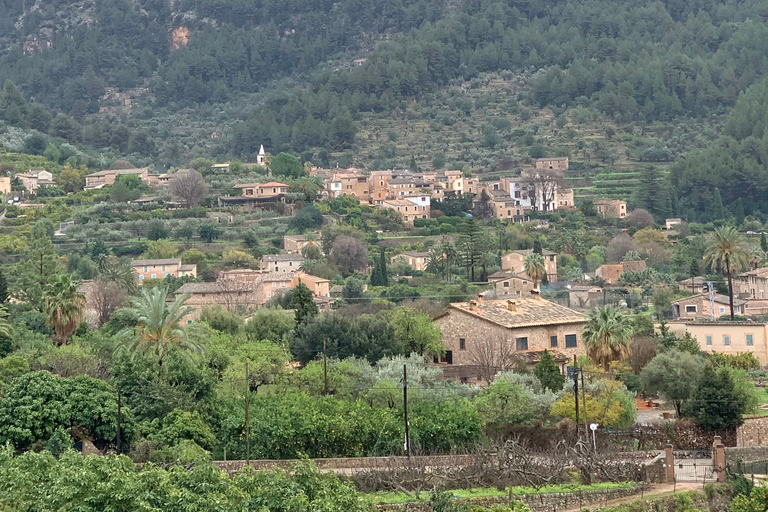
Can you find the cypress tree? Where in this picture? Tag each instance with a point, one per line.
(763, 242)
(738, 212)
(302, 303)
(718, 210)
(379, 275)
(548, 373)
(537, 246)
(3, 288)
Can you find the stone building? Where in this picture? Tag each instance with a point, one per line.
(512, 285)
(698, 306)
(281, 262)
(611, 272)
(559, 163)
(415, 260)
(727, 337)
(515, 261)
(108, 177)
(295, 243)
(483, 337)
(162, 268)
(614, 207)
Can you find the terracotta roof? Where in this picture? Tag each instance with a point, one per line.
(146, 263)
(193, 288)
(414, 254)
(310, 278)
(529, 312)
(258, 185)
(188, 268)
(274, 184)
(526, 252)
(119, 171)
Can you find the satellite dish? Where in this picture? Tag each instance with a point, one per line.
(593, 426)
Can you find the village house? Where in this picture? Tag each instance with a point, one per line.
(5, 184)
(481, 337)
(528, 195)
(348, 184)
(559, 163)
(281, 262)
(512, 285)
(515, 261)
(253, 194)
(585, 297)
(698, 306)
(415, 260)
(101, 179)
(692, 285)
(614, 207)
(505, 208)
(162, 268)
(319, 286)
(611, 272)
(727, 337)
(35, 179)
(410, 208)
(295, 243)
(671, 223)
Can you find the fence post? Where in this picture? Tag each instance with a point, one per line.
(720, 462)
(669, 463)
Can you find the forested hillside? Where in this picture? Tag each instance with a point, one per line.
(319, 78)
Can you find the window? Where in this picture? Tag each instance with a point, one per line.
(750, 340)
(154, 276)
(165, 275)
(553, 341)
(570, 341)
(163, 268)
(521, 343)
(722, 309)
(462, 344)
(726, 340)
(690, 309)
(506, 284)
(709, 340)
(141, 278)
(552, 258)
(146, 269)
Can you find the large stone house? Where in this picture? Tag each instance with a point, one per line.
(511, 285)
(698, 307)
(415, 260)
(611, 272)
(281, 262)
(614, 207)
(515, 261)
(727, 337)
(410, 208)
(295, 243)
(162, 268)
(254, 194)
(583, 297)
(34, 179)
(482, 337)
(559, 163)
(108, 177)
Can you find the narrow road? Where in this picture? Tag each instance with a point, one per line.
(657, 491)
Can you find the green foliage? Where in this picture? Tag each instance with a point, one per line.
(757, 501)
(308, 217)
(181, 425)
(415, 332)
(208, 231)
(36, 270)
(379, 276)
(504, 403)
(303, 303)
(222, 320)
(672, 374)
(548, 373)
(35, 405)
(270, 324)
(716, 404)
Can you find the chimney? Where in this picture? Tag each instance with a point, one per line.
(512, 306)
(473, 305)
(535, 294)
(480, 297)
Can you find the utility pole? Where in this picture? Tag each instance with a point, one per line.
(405, 411)
(584, 402)
(247, 418)
(576, 390)
(119, 417)
(325, 366)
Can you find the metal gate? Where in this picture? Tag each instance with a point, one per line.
(695, 467)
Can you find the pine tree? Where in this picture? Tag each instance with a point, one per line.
(716, 404)
(37, 268)
(548, 373)
(472, 246)
(303, 304)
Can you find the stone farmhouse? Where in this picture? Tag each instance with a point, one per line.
(509, 284)
(101, 179)
(614, 207)
(415, 260)
(255, 194)
(295, 243)
(698, 307)
(33, 180)
(162, 268)
(482, 337)
(559, 163)
(611, 273)
(281, 262)
(410, 208)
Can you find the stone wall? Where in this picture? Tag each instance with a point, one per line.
(538, 502)
(754, 432)
(746, 454)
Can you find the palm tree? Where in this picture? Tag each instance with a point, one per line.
(535, 268)
(6, 329)
(158, 324)
(607, 335)
(64, 306)
(311, 251)
(435, 262)
(727, 250)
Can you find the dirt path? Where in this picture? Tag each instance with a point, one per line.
(657, 491)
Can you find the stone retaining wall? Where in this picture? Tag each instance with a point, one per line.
(746, 454)
(754, 432)
(539, 502)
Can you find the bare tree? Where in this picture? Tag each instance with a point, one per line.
(542, 185)
(492, 355)
(107, 296)
(189, 187)
(237, 294)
